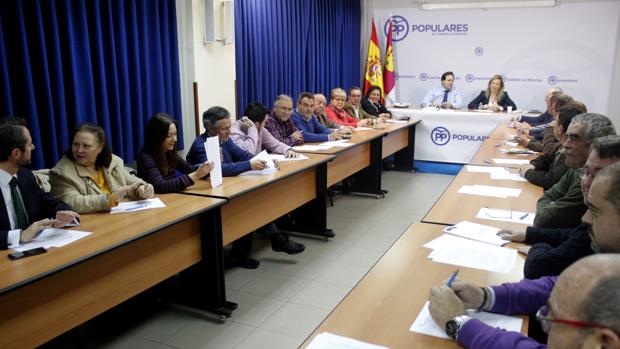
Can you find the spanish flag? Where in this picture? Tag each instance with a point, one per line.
(374, 73)
(388, 70)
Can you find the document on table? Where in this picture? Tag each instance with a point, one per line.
(477, 255)
(509, 176)
(488, 190)
(271, 166)
(392, 121)
(328, 340)
(475, 231)
(308, 147)
(362, 129)
(486, 169)
(212, 148)
(425, 324)
(443, 240)
(139, 205)
(511, 161)
(516, 151)
(512, 144)
(52, 237)
(339, 143)
(496, 214)
(281, 157)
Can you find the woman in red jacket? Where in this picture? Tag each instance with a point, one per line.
(335, 110)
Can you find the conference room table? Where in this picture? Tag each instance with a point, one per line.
(490, 149)
(46, 295)
(383, 305)
(256, 200)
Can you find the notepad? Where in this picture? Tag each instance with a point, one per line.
(477, 232)
(495, 214)
(140, 205)
(328, 340)
(425, 324)
(52, 237)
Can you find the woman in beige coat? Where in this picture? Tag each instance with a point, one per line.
(90, 178)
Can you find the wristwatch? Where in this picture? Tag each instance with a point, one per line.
(454, 326)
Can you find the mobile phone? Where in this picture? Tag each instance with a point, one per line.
(27, 253)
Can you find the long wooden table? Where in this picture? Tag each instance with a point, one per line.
(384, 304)
(490, 149)
(253, 201)
(400, 141)
(44, 296)
(453, 207)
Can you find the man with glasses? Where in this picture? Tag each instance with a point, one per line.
(279, 122)
(578, 309)
(555, 249)
(353, 106)
(562, 205)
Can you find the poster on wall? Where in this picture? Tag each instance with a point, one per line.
(571, 46)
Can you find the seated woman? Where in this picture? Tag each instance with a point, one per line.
(160, 164)
(90, 178)
(372, 103)
(335, 110)
(494, 97)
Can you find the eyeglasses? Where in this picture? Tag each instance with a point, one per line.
(542, 315)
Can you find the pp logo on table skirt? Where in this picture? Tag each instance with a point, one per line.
(440, 135)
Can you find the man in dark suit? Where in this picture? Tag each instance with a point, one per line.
(25, 209)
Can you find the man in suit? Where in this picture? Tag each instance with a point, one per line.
(25, 209)
(353, 106)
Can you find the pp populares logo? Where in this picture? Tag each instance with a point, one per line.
(479, 51)
(552, 80)
(400, 28)
(423, 77)
(440, 135)
(469, 77)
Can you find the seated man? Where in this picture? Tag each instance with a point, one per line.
(586, 292)
(279, 122)
(543, 118)
(319, 110)
(536, 138)
(308, 124)
(562, 205)
(353, 106)
(555, 249)
(578, 309)
(235, 161)
(250, 134)
(25, 208)
(446, 96)
(548, 168)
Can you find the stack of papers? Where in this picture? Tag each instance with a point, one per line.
(477, 232)
(53, 237)
(488, 190)
(495, 214)
(474, 254)
(281, 157)
(327, 340)
(140, 205)
(511, 161)
(425, 324)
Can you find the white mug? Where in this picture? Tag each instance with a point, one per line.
(509, 109)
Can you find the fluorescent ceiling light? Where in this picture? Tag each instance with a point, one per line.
(486, 4)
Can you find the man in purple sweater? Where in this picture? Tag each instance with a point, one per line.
(580, 308)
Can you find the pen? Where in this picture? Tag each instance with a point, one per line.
(136, 207)
(456, 272)
(523, 217)
(487, 162)
(498, 145)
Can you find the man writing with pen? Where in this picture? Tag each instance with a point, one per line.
(25, 209)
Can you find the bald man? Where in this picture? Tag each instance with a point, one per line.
(578, 309)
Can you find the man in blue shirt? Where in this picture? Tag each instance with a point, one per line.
(308, 124)
(447, 96)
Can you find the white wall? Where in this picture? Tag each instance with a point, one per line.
(211, 65)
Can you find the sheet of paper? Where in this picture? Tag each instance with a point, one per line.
(486, 169)
(425, 324)
(443, 240)
(339, 143)
(212, 148)
(512, 144)
(308, 147)
(53, 237)
(392, 121)
(508, 176)
(495, 214)
(473, 190)
(139, 205)
(263, 155)
(328, 340)
(475, 231)
(477, 255)
(511, 161)
(516, 151)
(281, 157)
(362, 129)
(259, 172)
(514, 192)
